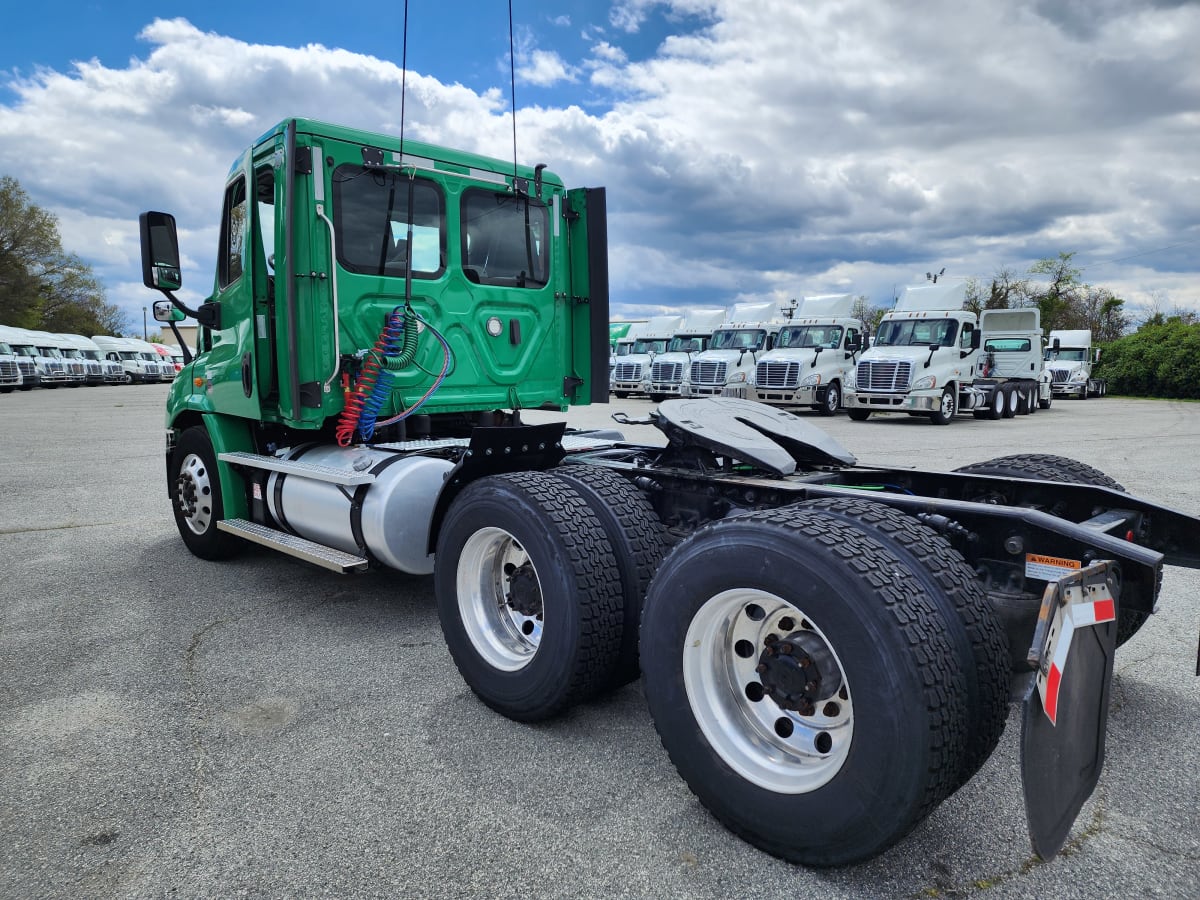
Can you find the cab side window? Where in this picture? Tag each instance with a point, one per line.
(233, 234)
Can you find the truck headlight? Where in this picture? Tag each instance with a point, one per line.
(811, 380)
(852, 380)
(928, 383)
(737, 378)
(1076, 376)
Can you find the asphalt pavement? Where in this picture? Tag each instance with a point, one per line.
(263, 728)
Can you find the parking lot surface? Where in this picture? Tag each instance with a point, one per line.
(260, 727)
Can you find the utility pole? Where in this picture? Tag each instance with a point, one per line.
(144, 333)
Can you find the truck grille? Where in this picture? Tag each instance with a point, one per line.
(884, 375)
(152, 368)
(628, 372)
(777, 375)
(666, 373)
(708, 373)
(1058, 376)
(8, 368)
(75, 368)
(55, 368)
(26, 367)
(94, 368)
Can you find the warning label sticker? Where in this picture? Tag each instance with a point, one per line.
(1049, 568)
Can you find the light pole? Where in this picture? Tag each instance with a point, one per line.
(144, 333)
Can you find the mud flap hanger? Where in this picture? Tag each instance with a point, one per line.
(1064, 714)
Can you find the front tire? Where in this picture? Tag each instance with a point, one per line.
(945, 415)
(823, 768)
(195, 489)
(528, 594)
(858, 415)
(833, 400)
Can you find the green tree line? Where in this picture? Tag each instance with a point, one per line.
(42, 286)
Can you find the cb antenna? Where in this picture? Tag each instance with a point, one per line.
(512, 79)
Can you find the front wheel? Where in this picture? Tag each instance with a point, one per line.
(528, 594)
(833, 400)
(620, 395)
(815, 707)
(859, 415)
(945, 415)
(658, 398)
(1045, 404)
(195, 489)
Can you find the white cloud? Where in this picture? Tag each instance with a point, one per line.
(782, 149)
(544, 68)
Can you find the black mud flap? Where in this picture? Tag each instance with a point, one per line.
(1065, 711)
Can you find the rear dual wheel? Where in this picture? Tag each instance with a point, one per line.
(528, 594)
(1048, 467)
(802, 680)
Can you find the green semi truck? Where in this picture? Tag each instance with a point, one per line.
(828, 649)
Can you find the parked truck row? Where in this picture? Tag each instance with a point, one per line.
(30, 359)
(828, 650)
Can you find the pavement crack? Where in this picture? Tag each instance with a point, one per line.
(200, 717)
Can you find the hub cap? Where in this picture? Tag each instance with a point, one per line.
(768, 691)
(500, 599)
(193, 491)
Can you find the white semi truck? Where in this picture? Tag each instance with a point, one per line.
(140, 365)
(40, 367)
(669, 371)
(632, 373)
(813, 354)
(1069, 359)
(930, 357)
(11, 376)
(726, 368)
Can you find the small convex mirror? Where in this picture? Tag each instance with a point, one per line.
(166, 311)
(160, 252)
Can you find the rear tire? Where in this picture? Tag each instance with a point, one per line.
(976, 635)
(638, 541)
(527, 594)
(823, 769)
(1011, 400)
(1048, 467)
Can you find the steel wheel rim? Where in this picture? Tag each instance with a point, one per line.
(504, 636)
(748, 733)
(193, 490)
(831, 398)
(948, 404)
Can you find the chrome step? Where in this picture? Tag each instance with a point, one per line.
(316, 472)
(326, 557)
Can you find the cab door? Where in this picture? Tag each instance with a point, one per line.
(232, 382)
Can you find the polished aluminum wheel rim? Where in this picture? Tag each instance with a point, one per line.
(193, 490)
(775, 748)
(505, 635)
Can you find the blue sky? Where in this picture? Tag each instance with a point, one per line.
(751, 151)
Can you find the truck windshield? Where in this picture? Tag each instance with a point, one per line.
(798, 336)
(740, 339)
(91, 354)
(73, 354)
(916, 332)
(624, 349)
(128, 354)
(649, 345)
(689, 344)
(25, 350)
(52, 352)
(1064, 355)
(5, 349)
